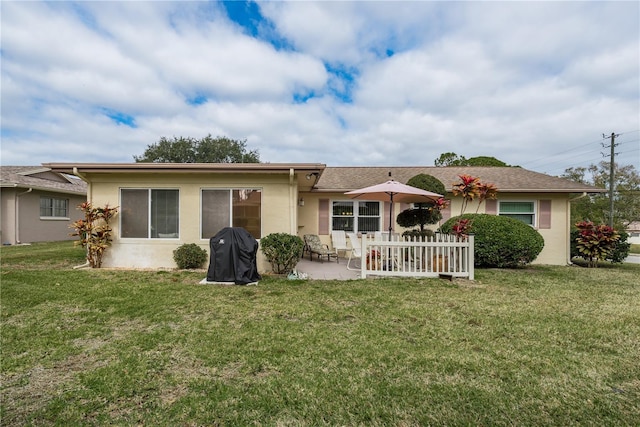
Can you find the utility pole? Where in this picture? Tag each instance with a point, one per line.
(611, 173)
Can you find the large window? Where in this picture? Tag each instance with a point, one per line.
(355, 216)
(231, 208)
(522, 211)
(51, 207)
(149, 213)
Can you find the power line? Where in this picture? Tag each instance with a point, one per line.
(561, 152)
(572, 158)
(573, 148)
(612, 162)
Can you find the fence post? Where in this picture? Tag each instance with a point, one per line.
(363, 257)
(470, 258)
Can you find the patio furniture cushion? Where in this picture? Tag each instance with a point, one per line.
(315, 246)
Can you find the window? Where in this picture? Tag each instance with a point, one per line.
(522, 211)
(231, 208)
(149, 213)
(355, 216)
(51, 207)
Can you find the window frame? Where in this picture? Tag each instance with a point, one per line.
(230, 191)
(149, 213)
(53, 215)
(533, 213)
(356, 214)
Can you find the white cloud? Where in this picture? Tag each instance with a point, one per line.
(518, 81)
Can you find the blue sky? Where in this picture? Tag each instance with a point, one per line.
(343, 83)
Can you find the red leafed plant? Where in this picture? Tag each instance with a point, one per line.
(94, 231)
(595, 242)
(440, 204)
(471, 188)
(461, 227)
(468, 188)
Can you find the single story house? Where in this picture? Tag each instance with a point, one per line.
(633, 229)
(37, 204)
(164, 205)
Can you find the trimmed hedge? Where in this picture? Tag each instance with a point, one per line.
(283, 251)
(189, 256)
(500, 241)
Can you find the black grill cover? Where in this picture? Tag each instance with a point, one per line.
(233, 257)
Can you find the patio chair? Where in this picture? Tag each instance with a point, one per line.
(356, 250)
(315, 246)
(339, 242)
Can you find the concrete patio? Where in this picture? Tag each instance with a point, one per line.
(327, 270)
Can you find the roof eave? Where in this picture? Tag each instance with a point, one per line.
(509, 190)
(44, 188)
(71, 168)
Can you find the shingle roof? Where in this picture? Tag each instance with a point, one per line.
(506, 179)
(40, 178)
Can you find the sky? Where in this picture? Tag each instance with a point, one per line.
(379, 83)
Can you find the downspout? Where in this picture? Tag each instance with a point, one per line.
(89, 192)
(84, 178)
(293, 223)
(17, 213)
(584, 194)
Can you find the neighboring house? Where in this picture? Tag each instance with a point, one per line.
(38, 205)
(163, 206)
(633, 229)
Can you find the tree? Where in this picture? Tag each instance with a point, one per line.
(452, 159)
(423, 213)
(448, 159)
(596, 207)
(206, 150)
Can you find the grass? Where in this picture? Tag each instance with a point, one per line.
(537, 346)
(635, 249)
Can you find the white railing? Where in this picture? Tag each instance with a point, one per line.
(440, 255)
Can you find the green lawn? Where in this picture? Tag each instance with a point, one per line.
(635, 249)
(537, 346)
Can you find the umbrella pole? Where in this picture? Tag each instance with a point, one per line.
(390, 216)
(388, 262)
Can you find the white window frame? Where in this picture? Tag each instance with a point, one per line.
(149, 209)
(356, 216)
(230, 190)
(53, 215)
(534, 212)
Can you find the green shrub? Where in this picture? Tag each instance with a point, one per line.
(427, 182)
(282, 250)
(421, 217)
(618, 255)
(422, 213)
(189, 256)
(418, 234)
(500, 241)
(599, 242)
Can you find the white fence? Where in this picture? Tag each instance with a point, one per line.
(440, 255)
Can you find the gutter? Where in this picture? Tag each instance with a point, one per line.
(17, 214)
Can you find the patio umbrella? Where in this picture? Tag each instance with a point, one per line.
(394, 191)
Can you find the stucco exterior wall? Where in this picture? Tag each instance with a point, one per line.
(7, 216)
(278, 212)
(556, 248)
(556, 238)
(21, 221)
